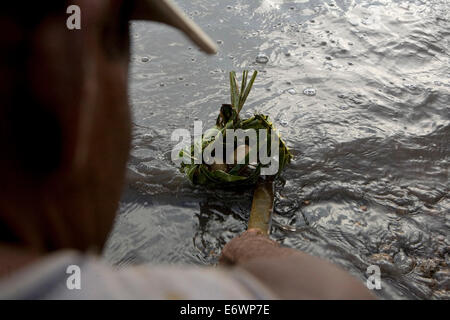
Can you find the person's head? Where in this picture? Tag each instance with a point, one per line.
(64, 117)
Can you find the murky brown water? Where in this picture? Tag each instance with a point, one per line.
(369, 183)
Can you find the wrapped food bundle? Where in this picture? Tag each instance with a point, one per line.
(244, 162)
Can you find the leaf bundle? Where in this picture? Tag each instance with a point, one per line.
(232, 175)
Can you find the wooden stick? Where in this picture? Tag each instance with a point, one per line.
(166, 11)
(262, 206)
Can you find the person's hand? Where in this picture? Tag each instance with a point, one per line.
(289, 273)
(251, 244)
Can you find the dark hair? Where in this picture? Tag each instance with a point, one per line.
(31, 12)
(30, 135)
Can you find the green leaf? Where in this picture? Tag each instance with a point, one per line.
(239, 174)
(246, 92)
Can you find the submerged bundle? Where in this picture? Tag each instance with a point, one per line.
(241, 170)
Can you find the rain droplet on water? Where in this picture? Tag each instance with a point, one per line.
(309, 92)
(353, 22)
(410, 86)
(291, 91)
(262, 58)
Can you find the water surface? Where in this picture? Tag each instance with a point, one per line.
(360, 91)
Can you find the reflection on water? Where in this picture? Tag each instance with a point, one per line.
(360, 91)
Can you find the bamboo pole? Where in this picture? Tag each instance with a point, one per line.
(262, 206)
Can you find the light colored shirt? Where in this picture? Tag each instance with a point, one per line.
(71, 275)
